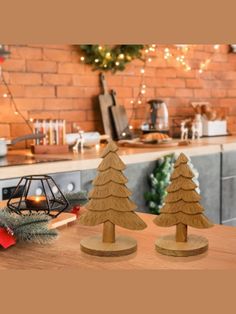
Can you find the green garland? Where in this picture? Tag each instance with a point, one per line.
(28, 228)
(108, 58)
(158, 181)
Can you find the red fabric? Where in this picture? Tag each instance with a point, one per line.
(6, 238)
(75, 210)
(1, 59)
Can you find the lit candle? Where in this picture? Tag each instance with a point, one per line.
(36, 202)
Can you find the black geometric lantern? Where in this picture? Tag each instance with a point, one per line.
(38, 193)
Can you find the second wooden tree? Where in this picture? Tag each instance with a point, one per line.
(110, 205)
(182, 208)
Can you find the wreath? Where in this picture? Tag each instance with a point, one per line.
(110, 58)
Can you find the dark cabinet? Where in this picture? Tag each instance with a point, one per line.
(208, 167)
(229, 188)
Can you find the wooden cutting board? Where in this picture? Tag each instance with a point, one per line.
(146, 145)
(105, 103)
(120, 118)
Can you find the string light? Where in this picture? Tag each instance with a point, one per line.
(117, 63)
(82, 58)
(216, 47)
(142, 71)
(5, 95)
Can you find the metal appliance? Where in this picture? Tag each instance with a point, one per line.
(158, 116)
(67, 181)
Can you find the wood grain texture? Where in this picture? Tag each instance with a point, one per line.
(65, 253)
(95, 246)
(195, 245)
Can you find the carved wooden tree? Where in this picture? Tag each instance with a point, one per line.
(110, 204)
(182, 208)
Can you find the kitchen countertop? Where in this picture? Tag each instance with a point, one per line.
(65, 252)
(89, 159)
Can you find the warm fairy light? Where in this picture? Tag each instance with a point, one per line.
(149, 59)
(200, 70)
(31, 120)
(143, 91)
(142, 70)
(123, 133)
(108, 55)
(96, 60)
(121, 56)
(130, 127)
(5, 95)
(188, 68)
(143, 86)
(131, 101)
(100, 48)
(97, 147)
(105, 65)
(216, 47)
(16, 113)
(139, 102)
(82, 58)
(146, 50)
(117, 63)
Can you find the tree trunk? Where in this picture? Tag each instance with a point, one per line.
(108, 235)
(181, 233)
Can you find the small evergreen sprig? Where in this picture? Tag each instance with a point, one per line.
(28, 228)
(158, 181)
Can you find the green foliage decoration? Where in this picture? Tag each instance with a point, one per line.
(158, 181)
(28, 228)
(110, 58)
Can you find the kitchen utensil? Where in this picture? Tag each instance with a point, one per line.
(4, 142)
(105, 102)
(158, 115)
(120, 119)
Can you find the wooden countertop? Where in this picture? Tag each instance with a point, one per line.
(65, 252)
(89, 159)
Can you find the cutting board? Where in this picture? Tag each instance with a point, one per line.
(105, 102)
(137, 144)
(120, 119)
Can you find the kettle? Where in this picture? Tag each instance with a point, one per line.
(158, 115)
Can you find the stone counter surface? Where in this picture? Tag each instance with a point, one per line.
(90, 158)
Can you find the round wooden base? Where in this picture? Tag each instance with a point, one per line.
(195, 245)
(94, 246)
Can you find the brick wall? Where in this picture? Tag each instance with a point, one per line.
(49, 81)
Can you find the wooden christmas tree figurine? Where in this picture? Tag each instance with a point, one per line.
(182, 208)
(110, 204)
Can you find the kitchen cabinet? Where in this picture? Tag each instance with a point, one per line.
(229, 188)
(208, 167)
